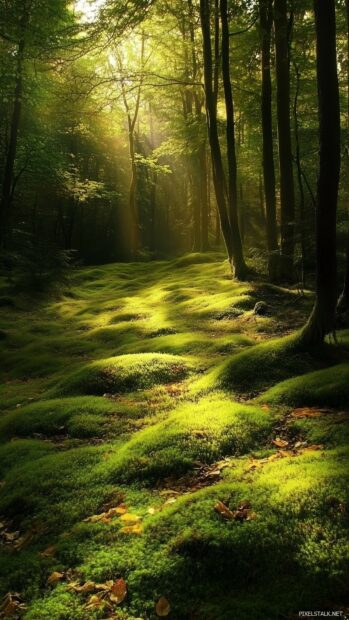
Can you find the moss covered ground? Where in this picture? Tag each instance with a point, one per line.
(165, 451)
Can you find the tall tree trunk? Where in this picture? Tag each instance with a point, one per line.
(204, 199)
(322, 319)
(219, 181)
(284, 137)
(302, 228)
(238, 257)
(266, 22)
(7, 184)
(343, 302)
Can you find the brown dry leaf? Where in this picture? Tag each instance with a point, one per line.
(10, 537)
(104, 586)
(94, 602)
(118, 591)
(265, 407)
(280, 443)
(130, 519)
(162, 607)
(254, 465)
(23, 541)
(11, 605)
(224, 511)
(55, 577)
(286, 453)
(49, 552)
(88, 586)
(307, 412)
(132, 529)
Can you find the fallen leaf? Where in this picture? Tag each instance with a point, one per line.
(94, 602)
(162, 607)
(55, 577)
(224, 511)
(48, 552)
(170, 500)
(280, 443)
(118, 591)
(11, 605)
(85, 588)
(307, 412)
(130, 519)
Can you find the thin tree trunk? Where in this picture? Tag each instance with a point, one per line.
(7, 185)
(204, 198)
(299, 175)
(322, 319)
(343, 302)
(266, 22)
(211, 113)
(238, 257)
(284, 137)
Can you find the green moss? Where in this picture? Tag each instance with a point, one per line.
(324, 388)
(196, 432)
(271, 362)
(76, 417)
(127, 330)
(125, 373)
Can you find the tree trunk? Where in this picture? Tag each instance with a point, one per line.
(211, 113)
(343, 302)
(322, 319)
(266, 22)
(204, 198)
(238, 257)
(284, 138)
(7, 185)
(302, 216)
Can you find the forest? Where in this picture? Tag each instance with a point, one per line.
(174, 309)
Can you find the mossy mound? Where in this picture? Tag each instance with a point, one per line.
(275, 360)
(323, 388)
(195, 433)
(79, 417)
(125, 373)
(274, 564)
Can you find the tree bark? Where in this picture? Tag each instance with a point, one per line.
(287, 198)
(343, 301)
(238, 257)
(219, 181)
(322, 319)
(7, 185)
(266, 22)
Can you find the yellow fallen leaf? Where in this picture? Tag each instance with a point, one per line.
(132, 529)
(162, 607)
(130, 519)
(55, 577)
(118, 591)
(94, 602)
(280, 443)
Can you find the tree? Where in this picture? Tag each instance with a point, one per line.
(322, 318)
(211, 90)
(287, 198)
(232, 198)
(266, 22)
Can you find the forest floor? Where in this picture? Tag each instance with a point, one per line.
(166, 451)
